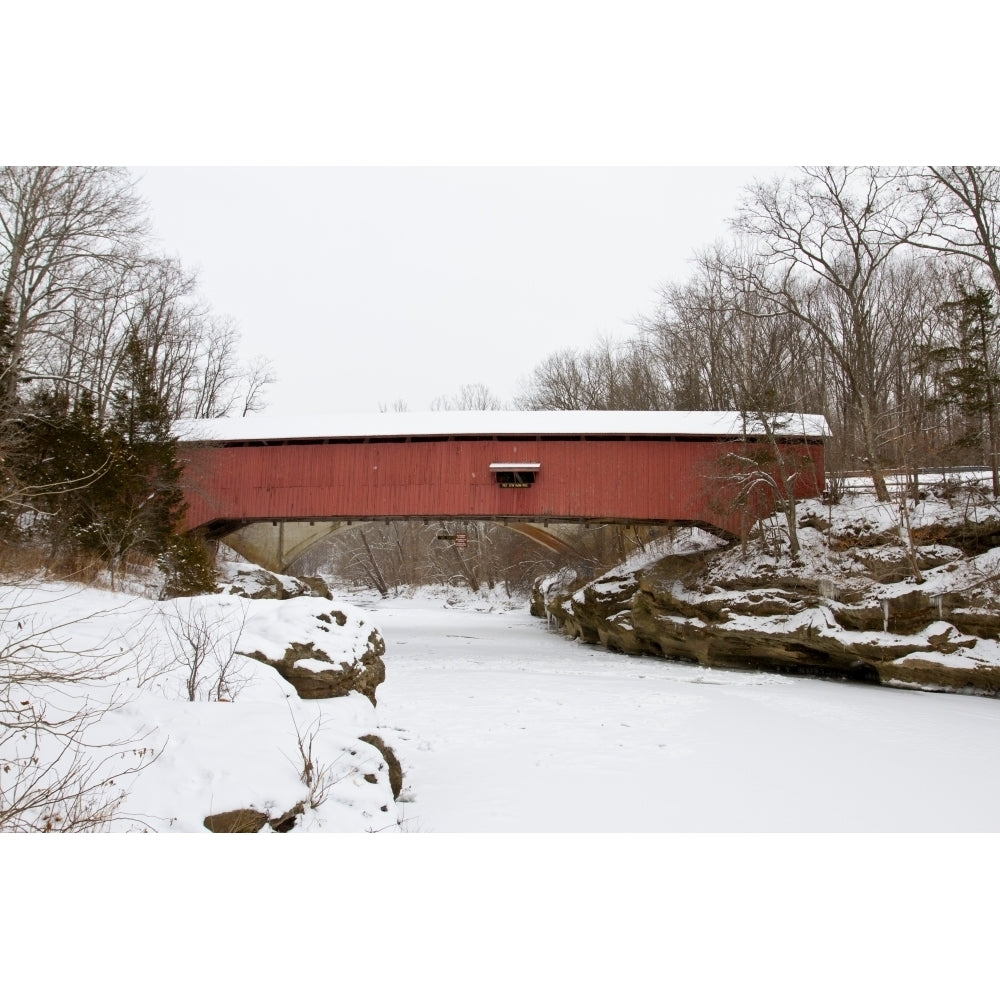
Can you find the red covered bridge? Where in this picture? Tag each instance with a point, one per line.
(297, 479)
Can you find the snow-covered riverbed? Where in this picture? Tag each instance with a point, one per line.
(504, 726)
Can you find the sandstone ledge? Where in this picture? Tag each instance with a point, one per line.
(676, 608)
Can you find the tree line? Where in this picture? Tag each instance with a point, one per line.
(867, 294)
(103, 344)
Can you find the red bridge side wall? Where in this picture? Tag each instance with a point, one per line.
(630, 480)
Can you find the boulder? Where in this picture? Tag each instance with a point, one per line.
(252, 820)
(236, 821)
(259, 584)
(302, 666)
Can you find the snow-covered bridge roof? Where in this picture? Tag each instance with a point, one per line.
(454, 423)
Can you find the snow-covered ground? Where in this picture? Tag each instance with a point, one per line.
(502, 725)
(154, 704)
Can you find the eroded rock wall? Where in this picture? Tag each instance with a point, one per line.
(781, 615)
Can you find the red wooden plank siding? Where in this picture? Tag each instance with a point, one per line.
(629, 480)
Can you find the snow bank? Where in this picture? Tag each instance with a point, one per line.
(179, 722)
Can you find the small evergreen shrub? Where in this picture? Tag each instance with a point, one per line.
(188, 567)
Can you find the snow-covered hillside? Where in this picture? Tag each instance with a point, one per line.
(157, 715)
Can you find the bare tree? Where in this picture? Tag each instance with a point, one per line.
(828, 237)
(203, 641)
(686, 339)
(256, 376)
(371, 567)
(961, 220)
(396, 406)
(557, 383)
(759, 364)
(76, 286)
(57, 225)
(715, 340)
(612, 375)
(417, 553)
(960, 215)
(472, 396)
(78, 293)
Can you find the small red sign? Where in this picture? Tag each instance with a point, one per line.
(461, 541)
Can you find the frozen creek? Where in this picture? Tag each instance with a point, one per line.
(504, 726)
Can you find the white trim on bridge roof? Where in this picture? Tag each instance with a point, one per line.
(447, 423)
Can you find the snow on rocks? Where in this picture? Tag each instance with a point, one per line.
(249, 580)
(865, 598)
(178, 718)
(337, 654)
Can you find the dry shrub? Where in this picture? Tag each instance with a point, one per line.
(25, 560)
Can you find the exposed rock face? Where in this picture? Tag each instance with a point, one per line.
(252, 820)
(391, 760)
(786, 618)
(236, 821)
(317, 586)
(363, 674)
(257, 583)
(300, 663)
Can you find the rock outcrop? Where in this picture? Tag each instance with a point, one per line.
(855, 605)
(301, 666)
(259, 584)
(332, 653)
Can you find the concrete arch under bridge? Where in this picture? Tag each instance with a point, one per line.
(277, 545)
(272, 488)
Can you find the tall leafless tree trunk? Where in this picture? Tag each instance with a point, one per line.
(828, 237)
(57, 225)
(961, 219)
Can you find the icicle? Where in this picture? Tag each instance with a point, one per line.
(939, 601)
(885, 614)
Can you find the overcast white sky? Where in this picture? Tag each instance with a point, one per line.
(370, 285)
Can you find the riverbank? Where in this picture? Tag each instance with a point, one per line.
(901, 594)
